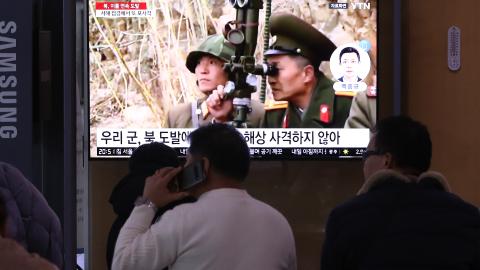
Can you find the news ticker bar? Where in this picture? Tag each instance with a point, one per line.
(260, 153)
(255, 137)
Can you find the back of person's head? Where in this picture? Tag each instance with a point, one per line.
(407, 140)
(225, 148)
(150, 157)
(3, 216)
(145, 160)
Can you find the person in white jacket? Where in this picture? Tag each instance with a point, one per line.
(225, 229)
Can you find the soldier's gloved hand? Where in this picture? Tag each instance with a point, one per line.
(220, 107)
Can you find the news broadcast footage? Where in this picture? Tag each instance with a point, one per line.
(138, 74)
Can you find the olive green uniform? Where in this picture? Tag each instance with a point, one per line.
(193, 115)
(323, 96)
(294, 37)
(363, 113)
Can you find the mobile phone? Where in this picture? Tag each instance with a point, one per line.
(191, 175)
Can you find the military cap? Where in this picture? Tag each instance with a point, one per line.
(214, 45)
(293, 36)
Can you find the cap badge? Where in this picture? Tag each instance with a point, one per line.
(274, 39)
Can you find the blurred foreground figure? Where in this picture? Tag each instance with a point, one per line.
(404, 216)
(32, 223)
(12, 255)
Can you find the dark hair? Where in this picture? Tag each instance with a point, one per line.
(407, 140)
(348, 50)
(302, 62)
(148, 158)
(225, 148)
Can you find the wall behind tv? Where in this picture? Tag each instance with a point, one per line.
(448, 102)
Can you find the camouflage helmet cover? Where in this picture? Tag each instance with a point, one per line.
(214, 45)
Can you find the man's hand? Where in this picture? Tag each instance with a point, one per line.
(156, 189)
(220, 108)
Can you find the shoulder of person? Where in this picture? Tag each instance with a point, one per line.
(348, 94)
(271, 105)
(180, 108)
(257, 105)
(180, 116)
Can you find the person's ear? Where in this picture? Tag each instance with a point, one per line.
(309, 73)
(206, 166)
(388, 160)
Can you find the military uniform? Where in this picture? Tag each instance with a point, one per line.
(293, 36)
(324, 111)
(363, 112)
(195, 114)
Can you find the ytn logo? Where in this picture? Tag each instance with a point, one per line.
(360, 5)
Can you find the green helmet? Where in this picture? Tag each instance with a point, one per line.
(214, 45)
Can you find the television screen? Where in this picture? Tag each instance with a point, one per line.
(158, 69)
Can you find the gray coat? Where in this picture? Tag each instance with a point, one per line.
(31, 221)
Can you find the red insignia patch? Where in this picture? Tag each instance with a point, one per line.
(324, 113)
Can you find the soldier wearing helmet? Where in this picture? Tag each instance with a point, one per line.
(297, 51)
(207, 64)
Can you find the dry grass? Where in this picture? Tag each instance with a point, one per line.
(137, 65)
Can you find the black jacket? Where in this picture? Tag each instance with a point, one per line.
(397, 222)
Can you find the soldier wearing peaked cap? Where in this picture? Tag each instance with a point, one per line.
(206, 62)
(297, 51)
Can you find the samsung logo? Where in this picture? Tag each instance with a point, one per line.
(8, 80)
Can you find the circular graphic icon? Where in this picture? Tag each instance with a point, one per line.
(350, 63)
(365, 45)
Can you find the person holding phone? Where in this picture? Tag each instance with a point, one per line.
(207, 64)
(145, 160)
(225, 229)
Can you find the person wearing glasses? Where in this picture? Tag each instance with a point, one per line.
(297, 51)
(225, 228)
(404, 216)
